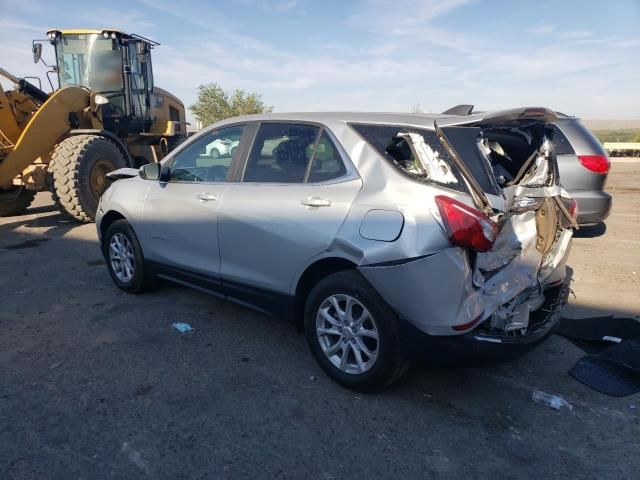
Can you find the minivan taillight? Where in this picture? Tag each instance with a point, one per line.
(466, 226)
(595, 163)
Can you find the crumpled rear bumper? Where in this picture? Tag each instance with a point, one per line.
(478, 347)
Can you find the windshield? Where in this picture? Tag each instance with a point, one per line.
(89, 60)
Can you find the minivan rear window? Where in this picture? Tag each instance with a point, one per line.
(561, 142)
(387, 141)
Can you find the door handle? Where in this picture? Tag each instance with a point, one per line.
(316, 202)
(206, 197)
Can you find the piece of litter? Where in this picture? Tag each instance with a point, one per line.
(608, 338)
(55, 365)
(554, 401)
(632, 406)
(312, 378)
(182, 327)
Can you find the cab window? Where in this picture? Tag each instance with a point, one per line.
(209, 158)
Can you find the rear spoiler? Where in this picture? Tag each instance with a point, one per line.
(537, 113)
(483, 119)
(462, 110)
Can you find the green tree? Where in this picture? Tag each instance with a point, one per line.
(214, 104)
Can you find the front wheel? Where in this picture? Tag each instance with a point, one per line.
(124, 258)
(79, 165)
(352, 332)
(15, 200)
(215, 153)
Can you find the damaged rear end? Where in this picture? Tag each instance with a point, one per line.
(524, 218)
(511, 235)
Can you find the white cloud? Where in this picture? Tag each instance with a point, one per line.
(542, 29)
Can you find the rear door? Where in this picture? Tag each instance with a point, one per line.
(180, 219)
(296, 190)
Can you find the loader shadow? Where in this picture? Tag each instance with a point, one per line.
(57, 225)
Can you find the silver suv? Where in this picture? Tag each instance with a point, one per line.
(386, 237)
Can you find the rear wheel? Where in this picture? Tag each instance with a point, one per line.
(15, 200)
(79, 165)
(353, 333)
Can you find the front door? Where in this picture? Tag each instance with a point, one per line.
(180, 219)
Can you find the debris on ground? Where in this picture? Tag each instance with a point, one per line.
(614, 371)
(182, 327)
(554, 401)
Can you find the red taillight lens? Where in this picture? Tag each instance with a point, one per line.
(466, 226)
(595, 163)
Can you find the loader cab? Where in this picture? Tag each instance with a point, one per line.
(115, 65)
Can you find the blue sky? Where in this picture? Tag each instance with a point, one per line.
(578, 56)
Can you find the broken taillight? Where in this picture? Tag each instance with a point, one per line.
(466, 226)
(595, 163)
(573, 208)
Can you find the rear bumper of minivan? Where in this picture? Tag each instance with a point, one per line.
(594, 206)
(478, 347)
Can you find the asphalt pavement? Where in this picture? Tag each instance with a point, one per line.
(94, 383)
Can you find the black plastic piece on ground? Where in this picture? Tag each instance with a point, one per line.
(608, 376)
(588, 333)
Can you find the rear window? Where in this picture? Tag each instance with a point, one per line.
(561, 142)
(389, 142)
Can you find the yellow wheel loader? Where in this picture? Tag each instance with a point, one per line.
(106, 114)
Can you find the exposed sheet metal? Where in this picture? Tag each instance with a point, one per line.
(431, 165)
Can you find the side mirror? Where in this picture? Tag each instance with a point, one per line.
(150, 171)
(37, 52)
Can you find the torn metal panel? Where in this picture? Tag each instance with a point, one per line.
(430, 164)
(533, 239)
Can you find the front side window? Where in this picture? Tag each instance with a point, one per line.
(207, 159)
(281, 153)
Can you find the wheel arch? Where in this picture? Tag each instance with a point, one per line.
(108, 135)
(108, 219)
(315, 272)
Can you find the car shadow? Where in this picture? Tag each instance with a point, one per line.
(591, 231)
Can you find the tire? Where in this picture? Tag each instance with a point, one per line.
(79, 165)
(121, 233)
(15, 200)
(215, 153)
(381, 369)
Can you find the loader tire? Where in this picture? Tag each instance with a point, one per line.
(79, 165)
(15, 201)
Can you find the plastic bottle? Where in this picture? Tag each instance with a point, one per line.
(554, 401)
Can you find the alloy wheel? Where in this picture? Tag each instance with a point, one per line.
(347, 333)
(121, 257)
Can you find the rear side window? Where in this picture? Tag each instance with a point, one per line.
(281, 153)
(561, 142)
(327, 163)
(390, 142)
